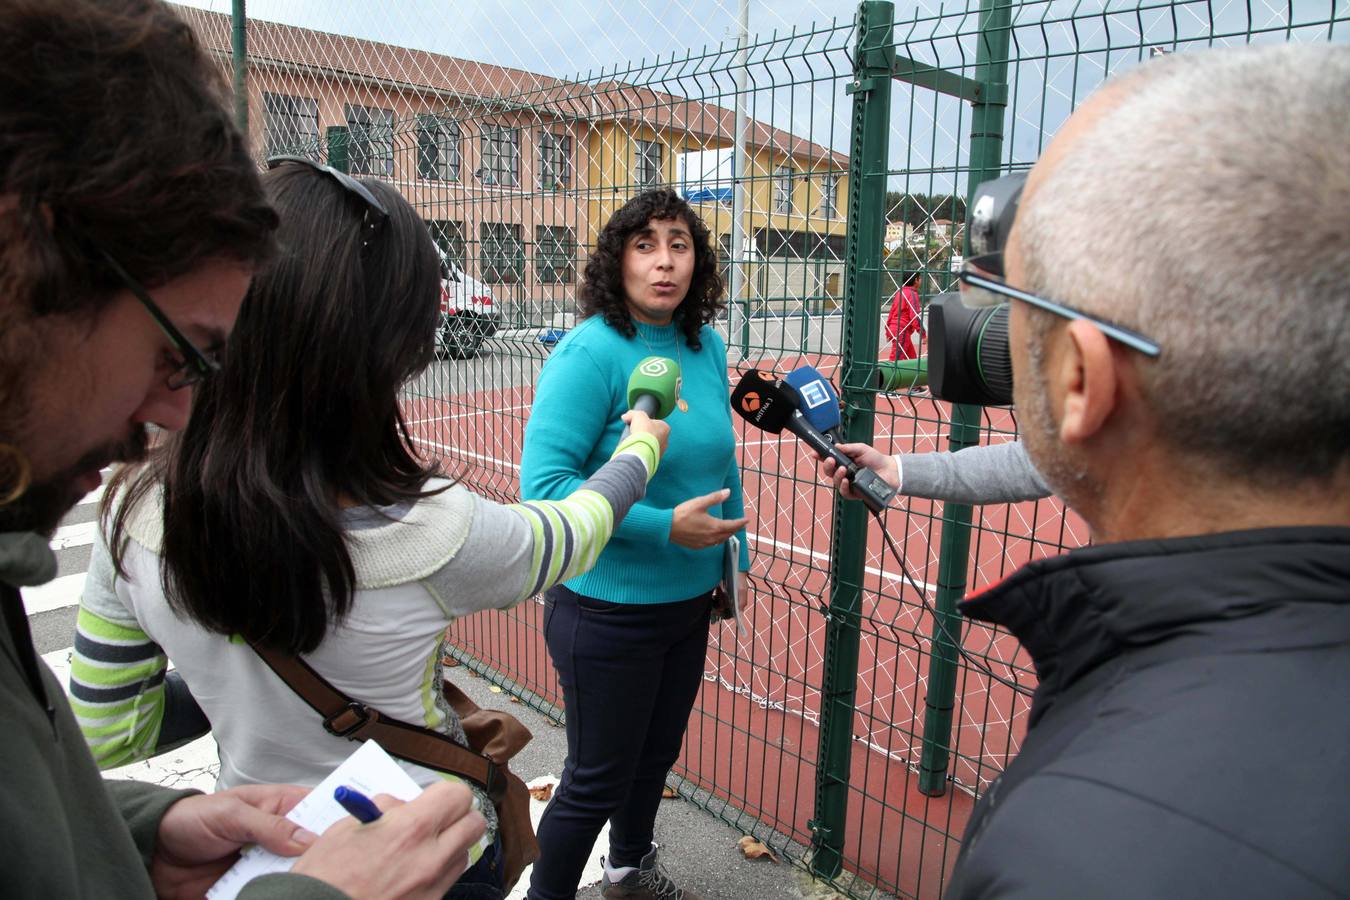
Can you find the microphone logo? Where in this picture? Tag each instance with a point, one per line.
(751, 402)
(654, 367)
(814, 393)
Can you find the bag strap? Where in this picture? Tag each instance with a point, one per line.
(351, 719)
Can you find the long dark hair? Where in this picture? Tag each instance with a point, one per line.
(303, 415)
(602, 290)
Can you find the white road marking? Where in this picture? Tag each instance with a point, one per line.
(64, 591)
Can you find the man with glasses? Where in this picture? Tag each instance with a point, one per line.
(1179, 273)
(131, 220)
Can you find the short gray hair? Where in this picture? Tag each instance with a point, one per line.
(1210, 209)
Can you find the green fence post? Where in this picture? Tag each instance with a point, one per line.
(871, 90)
(338, 157)
(239, 56)
(986, 150)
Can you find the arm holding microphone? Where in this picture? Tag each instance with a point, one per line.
(997, 473)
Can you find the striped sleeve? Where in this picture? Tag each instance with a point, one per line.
(116, 672)
(116, 689)
(514, 552)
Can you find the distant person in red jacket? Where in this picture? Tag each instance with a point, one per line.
(904, 328)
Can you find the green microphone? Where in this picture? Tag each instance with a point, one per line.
(654, 388)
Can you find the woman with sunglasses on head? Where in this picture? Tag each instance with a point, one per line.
(629, 638)
(295, 512)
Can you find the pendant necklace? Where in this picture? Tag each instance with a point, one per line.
(681, 404)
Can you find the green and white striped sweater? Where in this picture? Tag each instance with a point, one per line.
(419, 567)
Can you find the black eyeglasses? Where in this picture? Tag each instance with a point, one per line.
(994, 288)
(375, 214)
(196, 365)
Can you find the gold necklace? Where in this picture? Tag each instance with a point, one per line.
(680, 403)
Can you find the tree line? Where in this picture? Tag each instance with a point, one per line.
(916, 209)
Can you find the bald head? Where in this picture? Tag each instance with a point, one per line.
(1204, 200)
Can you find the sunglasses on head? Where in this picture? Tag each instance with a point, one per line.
(375, 214)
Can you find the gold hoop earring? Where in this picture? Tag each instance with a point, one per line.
(15, 475)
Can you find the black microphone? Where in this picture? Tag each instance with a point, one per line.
(766, 402)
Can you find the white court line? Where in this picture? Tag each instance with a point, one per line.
(469, 453)
(465, 415)
(62, 592)
(824, 557)
(79, 535)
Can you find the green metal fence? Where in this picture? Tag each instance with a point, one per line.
(849, 733)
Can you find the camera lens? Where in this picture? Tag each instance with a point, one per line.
(968, 360)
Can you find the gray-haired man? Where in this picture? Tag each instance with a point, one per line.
(1189, 730)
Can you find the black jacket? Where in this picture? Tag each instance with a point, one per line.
(1190, 736)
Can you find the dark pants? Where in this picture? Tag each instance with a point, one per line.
(483, 880)
(629, 673)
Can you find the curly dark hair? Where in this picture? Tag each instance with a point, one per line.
(602, 290)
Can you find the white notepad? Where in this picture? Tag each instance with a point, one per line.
(370, 770)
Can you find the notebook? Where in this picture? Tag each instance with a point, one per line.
(370, 770)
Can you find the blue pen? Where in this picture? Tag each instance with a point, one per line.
(356, 803)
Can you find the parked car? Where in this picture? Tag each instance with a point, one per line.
(468, 316)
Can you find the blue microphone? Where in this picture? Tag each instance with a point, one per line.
(819, 402)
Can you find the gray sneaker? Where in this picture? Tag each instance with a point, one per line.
(647, 882)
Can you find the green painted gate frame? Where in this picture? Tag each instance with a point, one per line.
(876, 65)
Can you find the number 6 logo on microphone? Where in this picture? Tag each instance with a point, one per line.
(654, 368)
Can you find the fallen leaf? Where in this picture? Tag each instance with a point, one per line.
(514, 698)
(669, 793)
(449, 662)
(542, 793)
(494, 688)
(753, 849)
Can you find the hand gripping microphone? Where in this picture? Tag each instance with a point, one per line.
(766, 402)
(654, 388)
(816, 399)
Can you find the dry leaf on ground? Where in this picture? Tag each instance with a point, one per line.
(753, 849)
(495, 689)
(542, 793)
(669, 793)
(514, 699)
(449, 662)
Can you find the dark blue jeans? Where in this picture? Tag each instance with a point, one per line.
(629, 673)
(483, 880)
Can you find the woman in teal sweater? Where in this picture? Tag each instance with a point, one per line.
(629, 638)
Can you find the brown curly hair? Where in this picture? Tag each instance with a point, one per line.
(114, 132)
(602, 290)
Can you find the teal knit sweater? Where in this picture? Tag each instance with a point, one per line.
(574, 427)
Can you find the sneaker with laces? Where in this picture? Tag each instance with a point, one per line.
(647, 882)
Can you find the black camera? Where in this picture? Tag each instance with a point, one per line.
(968, 360)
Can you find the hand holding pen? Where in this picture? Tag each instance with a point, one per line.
(427, 840)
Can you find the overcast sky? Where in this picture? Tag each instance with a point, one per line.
(556, 37)
(568, 38)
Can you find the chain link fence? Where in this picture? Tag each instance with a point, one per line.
(832, 163)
